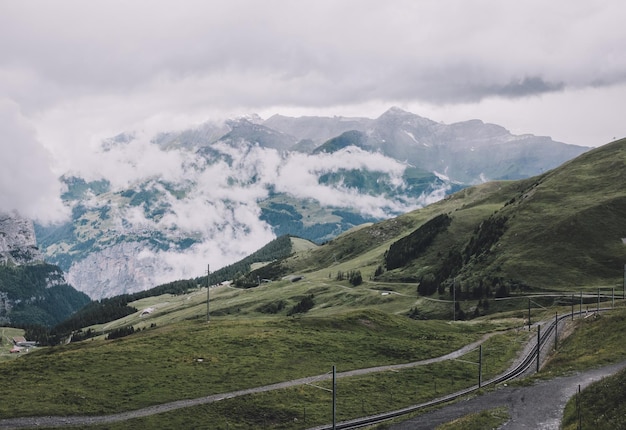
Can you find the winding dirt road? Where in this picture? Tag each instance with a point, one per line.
(69, 421)
(536, 407)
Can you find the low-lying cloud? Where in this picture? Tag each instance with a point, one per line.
(215, 201)
(27, 183)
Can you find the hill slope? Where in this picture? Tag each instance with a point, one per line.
(36, 294)
(565, 228)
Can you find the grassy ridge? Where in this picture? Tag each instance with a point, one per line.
(161, 364)
(563, 229)
(305, 406)
(602, 405)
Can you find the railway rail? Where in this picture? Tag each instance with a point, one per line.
(528, 360)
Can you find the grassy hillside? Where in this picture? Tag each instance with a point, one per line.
(595, 342)
(561, 230)
(191, 358)
(499, 245)
(601, 405)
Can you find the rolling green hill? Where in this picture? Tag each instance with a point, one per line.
(562, 231)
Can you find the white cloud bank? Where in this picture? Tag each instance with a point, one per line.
(27, 183)
(214, 203)
(73, 73)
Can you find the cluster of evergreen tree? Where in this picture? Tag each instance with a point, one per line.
(121, 332)
(485, 236)
(175, 288)
(353, 276)
(412, 246)
(42, 335)
(83, 335)
(441, 277)
(101, 312)
(415, 314)
(34, 301)
(437, 280)
(303, 306)
(272, 271)
(97, 312)
(278, 248)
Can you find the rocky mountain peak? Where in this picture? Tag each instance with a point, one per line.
(17, 240)
(396, 117)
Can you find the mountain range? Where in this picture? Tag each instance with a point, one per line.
(227, 188)
(562, 230)
(486, 253)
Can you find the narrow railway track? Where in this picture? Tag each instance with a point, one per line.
(528, 360)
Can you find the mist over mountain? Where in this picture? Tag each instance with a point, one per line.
(561, 229)
(156, 208)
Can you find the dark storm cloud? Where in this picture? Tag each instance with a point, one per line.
(316, 53)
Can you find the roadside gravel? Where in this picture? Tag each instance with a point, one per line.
(536, 407)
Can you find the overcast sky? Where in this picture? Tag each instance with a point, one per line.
(74, 72)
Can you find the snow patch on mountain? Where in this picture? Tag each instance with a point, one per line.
(441, 176)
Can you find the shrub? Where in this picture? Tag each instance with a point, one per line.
(305, 305)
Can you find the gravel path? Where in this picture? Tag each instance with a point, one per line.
(68, 421)
(537, 407)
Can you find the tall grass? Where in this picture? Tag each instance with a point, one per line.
(310, 405)
(193, 359)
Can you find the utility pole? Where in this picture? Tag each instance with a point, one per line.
(454, 300)
(529, 315)
(334, 397)
(581, 304)
(538, 345)
(556, 329)
(208, 296)
(480, 366)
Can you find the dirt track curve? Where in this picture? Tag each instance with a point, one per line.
(535, 407)
(77, 420)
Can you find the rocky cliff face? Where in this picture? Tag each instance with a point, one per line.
(118, 269)
(31, 291)
(18, 245)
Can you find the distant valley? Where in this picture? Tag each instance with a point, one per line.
(229, 188)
